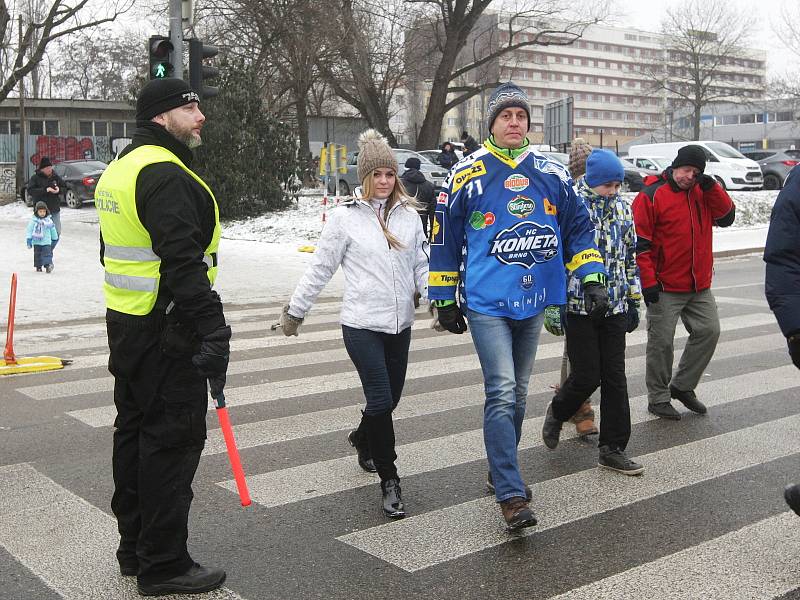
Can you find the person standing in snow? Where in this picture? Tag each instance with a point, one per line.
(674, 215)
(41, 235)
(421, 190)
(379, 243)
(782, 280)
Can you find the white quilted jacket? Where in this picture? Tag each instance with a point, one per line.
(379, 281)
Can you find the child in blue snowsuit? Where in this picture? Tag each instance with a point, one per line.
(41, 236)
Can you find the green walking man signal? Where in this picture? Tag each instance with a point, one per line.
(160, 50)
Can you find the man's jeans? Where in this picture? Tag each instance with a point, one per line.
(506, 349)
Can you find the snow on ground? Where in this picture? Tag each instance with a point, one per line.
(259, 257)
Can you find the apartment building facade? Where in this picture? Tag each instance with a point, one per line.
(603, 73)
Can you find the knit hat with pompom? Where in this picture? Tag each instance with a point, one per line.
(373, 153)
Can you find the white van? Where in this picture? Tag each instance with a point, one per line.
(726, 164)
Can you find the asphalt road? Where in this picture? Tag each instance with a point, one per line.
(706, 520)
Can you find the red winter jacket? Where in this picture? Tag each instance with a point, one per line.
(673, 227)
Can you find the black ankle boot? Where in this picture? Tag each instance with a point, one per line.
(358, 441)
(392, 500)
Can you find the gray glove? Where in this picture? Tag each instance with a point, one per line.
(289, 323)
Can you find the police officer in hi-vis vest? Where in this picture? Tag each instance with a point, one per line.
(159, 228)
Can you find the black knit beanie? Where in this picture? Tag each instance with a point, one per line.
(691, 156)
(160, 95)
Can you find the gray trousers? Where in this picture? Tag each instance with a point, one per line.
(698, 311)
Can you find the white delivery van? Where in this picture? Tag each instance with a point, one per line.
(726, 164)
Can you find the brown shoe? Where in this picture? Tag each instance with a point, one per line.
(584, 420)
(517, 513)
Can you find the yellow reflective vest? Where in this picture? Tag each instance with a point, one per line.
(133, 270)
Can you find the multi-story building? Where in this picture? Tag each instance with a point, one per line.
(603, 72)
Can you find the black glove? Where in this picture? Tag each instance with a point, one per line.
(651, 294)
(706, 182)
(633, 317)
(595, 299)
(450, 318)
(212, 360)
(794, 349)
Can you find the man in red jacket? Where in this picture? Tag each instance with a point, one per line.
(674, 215)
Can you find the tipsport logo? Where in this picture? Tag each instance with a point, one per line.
(525, 244)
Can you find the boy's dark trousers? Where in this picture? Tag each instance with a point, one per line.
(597, 358)
(42, 255)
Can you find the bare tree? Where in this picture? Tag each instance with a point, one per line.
(787, 29)
(702, 42)
(61, 17)
(467, 43)
(97, 64)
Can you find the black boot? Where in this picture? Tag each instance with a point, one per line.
(380, 436)
(393, 506)
(196, 580)
(358, 440)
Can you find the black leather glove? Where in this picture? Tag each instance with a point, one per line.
(651, 294)
(595, 299)
(706, 182)
(633, 316)
(212, 360)
(794, 349)
(450, 318)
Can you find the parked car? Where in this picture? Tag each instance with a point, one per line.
(726, 164)
(80, 179)
(656, 164)
(775, 165)
(349, 181)
(634, 181)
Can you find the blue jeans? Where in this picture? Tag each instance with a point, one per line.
(506, 349)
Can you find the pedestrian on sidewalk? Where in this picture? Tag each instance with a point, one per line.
(378, 241)
(596, 346)
(674, 215)
(41, 235)
(46, 186)
(782, 280)
(509, 223)
(421, 190)
(448, 157)
(159, 228)
(470, 145)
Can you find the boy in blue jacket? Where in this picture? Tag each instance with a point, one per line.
(505, 226)
(596, 345)
(41, 234)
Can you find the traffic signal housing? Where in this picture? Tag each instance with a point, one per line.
(160, 50)
(199, 73)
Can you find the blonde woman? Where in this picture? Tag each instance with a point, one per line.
(377, 239)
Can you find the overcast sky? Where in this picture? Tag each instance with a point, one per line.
(647, 14)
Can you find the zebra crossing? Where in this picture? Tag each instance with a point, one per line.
(706, 520)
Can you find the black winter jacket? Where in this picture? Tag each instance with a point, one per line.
(448, 159)
(420, 188)
(179, 216)
(782, 255)
(37, 189)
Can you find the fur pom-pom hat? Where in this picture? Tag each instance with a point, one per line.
(373, 153)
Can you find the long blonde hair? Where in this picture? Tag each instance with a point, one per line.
(398, 194)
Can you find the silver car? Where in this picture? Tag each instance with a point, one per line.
(349, 181)
(775, 165)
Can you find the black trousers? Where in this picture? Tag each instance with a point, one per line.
(597, 358)
(160, 431)
(381, 360)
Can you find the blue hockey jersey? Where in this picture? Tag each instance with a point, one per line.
(503, 231)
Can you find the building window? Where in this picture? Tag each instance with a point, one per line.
(5, 126)
(101, 128)
(13, 127)
(748, 118)
(451, 121)
(730, 120)
(784, 116)
(35, 127)
(52, 128)
(117, 129)
(85, 128)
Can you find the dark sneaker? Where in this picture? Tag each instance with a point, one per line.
(38, 269)
(664, 410)
(551, 428)
(490, 487)
(792, 496)
(364, 459)
(517, 513)
(392, 501)
(689, 400)
(48, 268)
(616, 460)
(196, 580)
(129, 568)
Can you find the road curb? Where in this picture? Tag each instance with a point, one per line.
(738, 252)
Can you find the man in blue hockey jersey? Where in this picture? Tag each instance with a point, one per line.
(505, 226)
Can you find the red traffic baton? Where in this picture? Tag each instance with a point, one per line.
(233, 451)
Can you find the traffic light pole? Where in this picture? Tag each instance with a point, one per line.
(176, 36)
